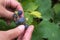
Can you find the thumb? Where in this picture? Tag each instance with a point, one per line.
(13, 33)
(4, 13)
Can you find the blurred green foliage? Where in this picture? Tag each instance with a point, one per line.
(48, 26)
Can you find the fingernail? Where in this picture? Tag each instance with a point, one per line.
(32, 26)
(21, 27)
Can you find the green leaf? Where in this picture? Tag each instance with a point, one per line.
(57, 18)
(36, 14)
(49, 30)
(2, 22)
(57, 8)
(44, 5)
(12, 25)
(29, 18)
(48, 14)
(28, 0)
(3, 25)
(29, 6)
(44, 8)
(36, 34)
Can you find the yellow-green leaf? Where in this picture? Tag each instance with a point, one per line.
(36, 14)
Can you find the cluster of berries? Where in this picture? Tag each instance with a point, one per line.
(19, 20)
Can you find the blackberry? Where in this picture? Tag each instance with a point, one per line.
(19, 13)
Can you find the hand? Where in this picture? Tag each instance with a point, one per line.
(7, 8)
(17, 32)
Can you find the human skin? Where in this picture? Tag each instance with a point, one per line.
(6, 13)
